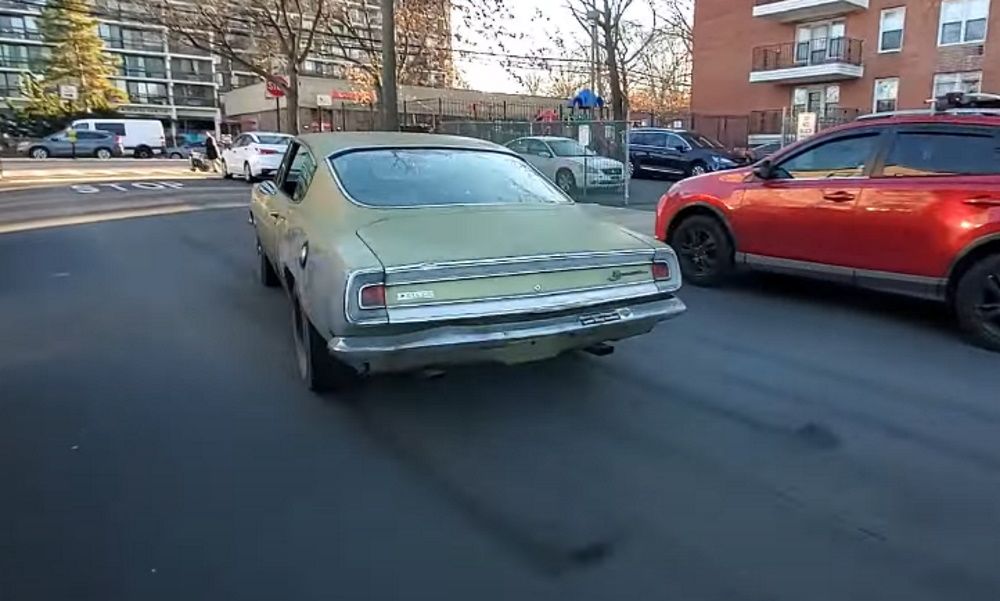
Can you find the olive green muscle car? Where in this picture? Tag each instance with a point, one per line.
(410, 251)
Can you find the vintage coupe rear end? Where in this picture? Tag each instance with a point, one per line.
(407, 251)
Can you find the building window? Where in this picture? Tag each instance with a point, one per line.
(141, 92)
(819, 42)
(142, 66)
(969, 82)
(193, 95)
(886, 94)
(10, 85)
(22, 28)
(890, 33)
(963, 21)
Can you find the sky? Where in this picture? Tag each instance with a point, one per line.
(488, 73)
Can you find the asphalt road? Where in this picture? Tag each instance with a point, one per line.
(781, 441)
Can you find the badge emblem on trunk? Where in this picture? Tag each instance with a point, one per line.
(538, 287)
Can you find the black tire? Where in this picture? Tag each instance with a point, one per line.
(248, 174)
(103, 153)
(320, 371)
(39, 152)
(225, 170)
(977, 302)
(176, 155)
(635, 169)
(566, 181)
(265, 271)
(703, 249)
(143, 152)
(697, 168)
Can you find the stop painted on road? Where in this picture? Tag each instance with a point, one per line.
(125, 187)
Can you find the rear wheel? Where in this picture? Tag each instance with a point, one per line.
(176, 155)
(320, 371)
(634, 169)
(247, 173)
(977, 302)
(102, 153)
(39, 152)
(225, 170)
(143, 152)
(704, 250)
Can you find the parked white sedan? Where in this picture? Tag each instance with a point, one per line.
(254, 155)
(569, 164)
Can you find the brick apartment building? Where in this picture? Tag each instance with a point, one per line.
(759, 62)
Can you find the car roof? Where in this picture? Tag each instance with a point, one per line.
(329, 143)
(926, 119)
(545, 138)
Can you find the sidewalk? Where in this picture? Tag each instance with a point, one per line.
(633, 219)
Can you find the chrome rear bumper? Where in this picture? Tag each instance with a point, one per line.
(515, 342)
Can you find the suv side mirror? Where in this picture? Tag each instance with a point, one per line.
(764, 169)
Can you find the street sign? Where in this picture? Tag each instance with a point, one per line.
(273, 90)
(324, 100)
(806, 126)
(67, 92)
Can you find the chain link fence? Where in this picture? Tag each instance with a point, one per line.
(586, 159)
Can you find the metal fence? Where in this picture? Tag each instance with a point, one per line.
(586, 159)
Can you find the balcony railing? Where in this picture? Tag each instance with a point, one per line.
(145, 46)
(820, 51)
(194, 101)
(777, 121)
(192, 76)
(139, 99)
(20, 34)
(146, 73)
(24, 64)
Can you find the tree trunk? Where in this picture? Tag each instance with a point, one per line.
(291, 121)
(617, 94)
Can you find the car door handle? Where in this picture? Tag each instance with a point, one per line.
(839, 196)
(983, 201)
(277, 216)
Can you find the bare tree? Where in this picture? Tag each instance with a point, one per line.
(661, 83)
(270, 38)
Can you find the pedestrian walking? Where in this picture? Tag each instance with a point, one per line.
(212, 151)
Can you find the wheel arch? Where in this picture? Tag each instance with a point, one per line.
(969, 256)
(701, 208)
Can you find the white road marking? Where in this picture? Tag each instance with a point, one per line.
(37, 224)
(124, 187)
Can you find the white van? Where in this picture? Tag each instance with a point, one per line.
(141, 138)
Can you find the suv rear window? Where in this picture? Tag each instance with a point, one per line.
(923, 154)
(412, 177)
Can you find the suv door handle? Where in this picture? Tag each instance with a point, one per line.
(839, 196)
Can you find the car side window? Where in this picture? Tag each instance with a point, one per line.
(89, 135)
(939, 153)
(674, 141)
(303, 168)
(537, 148)
(843, 157)
(656, 139)
(637, 139)
(286, 178)
(519, 146)
(240, 142)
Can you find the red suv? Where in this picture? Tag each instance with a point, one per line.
(907, 204)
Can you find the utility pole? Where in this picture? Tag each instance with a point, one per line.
(390, 102)
(595, 53)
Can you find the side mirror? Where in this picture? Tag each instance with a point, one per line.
(764, 169)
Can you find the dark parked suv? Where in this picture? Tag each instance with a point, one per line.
(675, 152)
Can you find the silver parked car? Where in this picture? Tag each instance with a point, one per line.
(100, 144)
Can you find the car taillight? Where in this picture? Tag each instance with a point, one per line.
(266, 151)
(372, 297)
(661, 271)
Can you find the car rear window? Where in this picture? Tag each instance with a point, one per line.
(274, 140)
(411, 177)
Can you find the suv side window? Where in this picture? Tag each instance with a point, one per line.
(519, 146)
(943, 152)
(675, 142)
(90, 135)
(537, 148)
(659, 140)
(638, 139)
(842, 157)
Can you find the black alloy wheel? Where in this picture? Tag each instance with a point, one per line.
(977, 302)
(704, 250)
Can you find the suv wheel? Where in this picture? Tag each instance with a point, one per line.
(977, 302)
(697, 169)
(102, 153)
(703, 249)
(566, 181)
(40, 153)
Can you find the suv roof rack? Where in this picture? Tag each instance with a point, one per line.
(953, 103)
